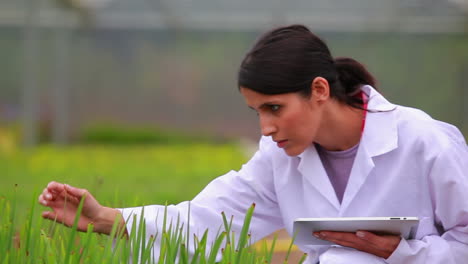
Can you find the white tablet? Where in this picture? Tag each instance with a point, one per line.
(406, 227)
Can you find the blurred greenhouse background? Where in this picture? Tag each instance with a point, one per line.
(81, 81)
(68, 65)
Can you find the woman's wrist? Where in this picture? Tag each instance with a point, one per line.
(106, 220)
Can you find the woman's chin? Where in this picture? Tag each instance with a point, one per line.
(292, 152)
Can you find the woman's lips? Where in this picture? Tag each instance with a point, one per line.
(282, 143)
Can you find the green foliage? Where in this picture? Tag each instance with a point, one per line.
(9, 139)
(113, 134)
(120, 176)
(47, 242)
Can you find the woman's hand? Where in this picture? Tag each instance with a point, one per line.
(379, 245)
(64, 199)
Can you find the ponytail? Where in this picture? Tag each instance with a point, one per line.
(353, 74)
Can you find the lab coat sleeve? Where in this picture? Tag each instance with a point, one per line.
(448, 183)
(232, 193)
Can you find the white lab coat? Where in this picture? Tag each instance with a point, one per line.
(407, 164)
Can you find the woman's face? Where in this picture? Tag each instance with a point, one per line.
(291, 119)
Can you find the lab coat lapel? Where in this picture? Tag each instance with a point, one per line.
(363, 165)
(379, 137)
(314, 175)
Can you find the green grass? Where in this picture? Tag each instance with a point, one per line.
(46, 242)
(119, 176)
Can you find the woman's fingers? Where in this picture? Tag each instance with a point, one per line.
(42, 200)
(346, 239)
(47, 195)
(64, 200)
(76, 192)
(382, 246)
(51, 192)
(385, 243)
(56, 193)
(49, 215)
(58, 217)
(55, 187)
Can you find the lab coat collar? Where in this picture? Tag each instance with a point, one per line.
(379, 137)
(380, 133)
(376, 101)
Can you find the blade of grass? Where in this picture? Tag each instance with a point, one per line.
(269, 256)
(227, 254)
(227, 227)
(188, 229)
(147, 256)
(137, 238)
(163, 248)
(3, 226)
(195, 258)
(74, 229)
(87, 243)
(303, 258)
(183, 254)
(12, 219)
(28, 228)
(290, 247)
(202, 247)
(142, 234)
(244, 232)
(108, 251)
(215, 248)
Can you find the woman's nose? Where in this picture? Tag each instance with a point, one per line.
(267, 127)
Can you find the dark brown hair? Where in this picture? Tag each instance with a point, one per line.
(288, 59)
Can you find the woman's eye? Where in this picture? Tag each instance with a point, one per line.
(274, 108)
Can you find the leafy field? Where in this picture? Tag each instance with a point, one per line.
(118, 176)
(46, 242)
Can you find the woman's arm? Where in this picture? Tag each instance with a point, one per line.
(64, 200)
(448, 183)
(231, 194)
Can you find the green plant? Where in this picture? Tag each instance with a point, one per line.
(46, 242)
(118, 176)
(118, 134)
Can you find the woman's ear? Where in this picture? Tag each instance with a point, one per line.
(320, 89)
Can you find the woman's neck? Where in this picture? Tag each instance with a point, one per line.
(341, 127)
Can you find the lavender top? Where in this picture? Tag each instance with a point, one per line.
(338, 166)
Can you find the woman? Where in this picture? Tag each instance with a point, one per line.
(332, 146)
